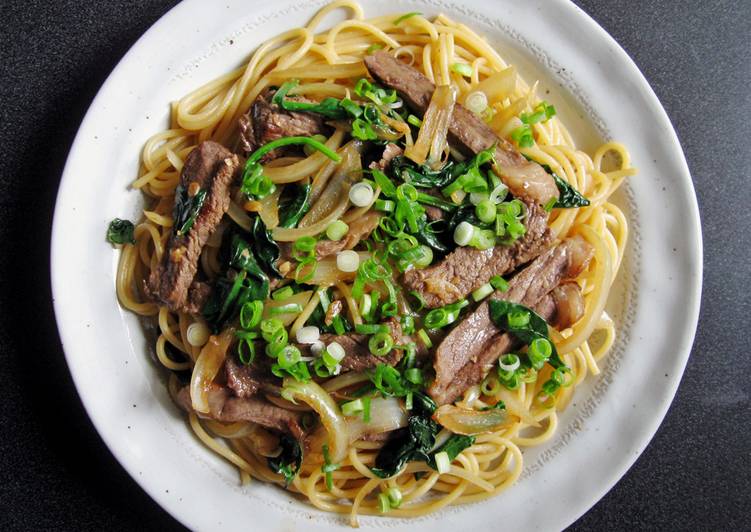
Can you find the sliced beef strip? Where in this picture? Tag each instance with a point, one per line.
(266, 121)
(228, 409)
(468, 352)
(467, 131)
(211, 167)
(466, 269)
(198, 294)
(389, 152)
(246, 381)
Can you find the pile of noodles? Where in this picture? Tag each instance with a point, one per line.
(327, 64)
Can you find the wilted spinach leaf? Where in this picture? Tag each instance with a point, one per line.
(244, 281)
(423, 176)
(569, 196)
(410, 445)
(265, 248)
(433, 235)
(293, 204)
(536, 328)
(289, 460)
(186, 209)
(121, 232)
(413, 444)
(453, 447)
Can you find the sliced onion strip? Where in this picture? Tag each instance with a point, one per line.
(467, 421)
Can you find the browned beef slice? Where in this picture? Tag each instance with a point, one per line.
(266, 121)
(359, 230)
(246, 381)
(467, 131)
(389, 152)
(468, 352)
(198, 294)
(211, 167)
(228, 409)
(466, 269)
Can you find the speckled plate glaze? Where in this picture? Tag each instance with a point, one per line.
(598, 91)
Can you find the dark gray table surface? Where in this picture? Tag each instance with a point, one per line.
(55, 472)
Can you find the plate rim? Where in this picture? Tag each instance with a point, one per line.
(693, 298)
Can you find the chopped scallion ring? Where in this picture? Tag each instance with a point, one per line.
(482, 292)
(317, 348)
(476, 197)
(380, 344)
(347, 261)
(351, 408)
(364, 306)
(383, 503)
(308, 334)
(282, 293)
(509, 362)
(384, 205)
(499, 194)
(336, 351)
(486, 211)
(361, 194)
(291, 308)
(395, 497)
(476, 102)
(463, 233)
(423, 335)
(336, 230)
(442, 462)
(198, 334)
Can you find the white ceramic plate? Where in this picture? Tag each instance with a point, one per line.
(599, 92)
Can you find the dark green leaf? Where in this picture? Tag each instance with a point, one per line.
(265, 248)
(121, 232)
(536, 328)
(569, 196)
(453, 447)
(423, 405)
(293, 204)
(425, 177)
(406, 446)
(397, 451)
(186, 209)
(434, 235)
(244, 281)
(500, 309)
(289, 460)
(243, 259)
(223, 294)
